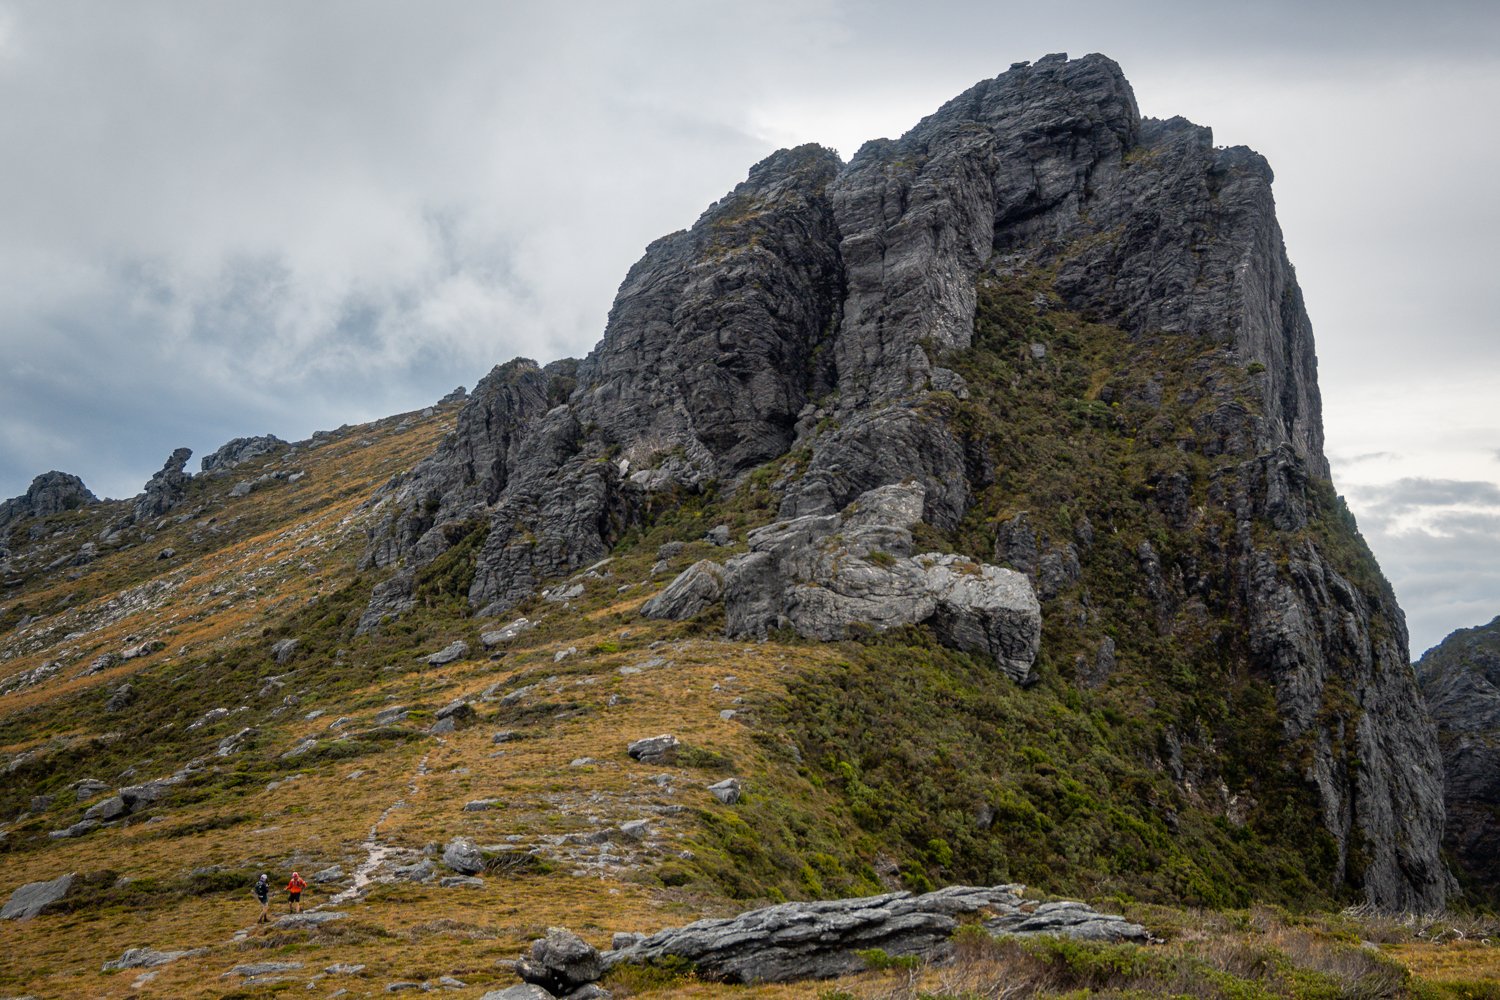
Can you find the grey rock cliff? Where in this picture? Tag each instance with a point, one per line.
(814, 310)
(1460, 680)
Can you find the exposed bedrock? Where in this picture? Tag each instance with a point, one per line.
(166, 488)
(822, 939)
(1461, 682)
(815, 312)
(829, 575)
(50, 493)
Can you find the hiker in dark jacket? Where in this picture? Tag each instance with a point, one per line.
(263, 893)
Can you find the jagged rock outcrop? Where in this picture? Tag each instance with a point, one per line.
(712, 350)
(820, 312)
(50, 493)
(561, 962)
(1460, 680)
(165, 488)
(826, 574)
(241, 450)
(819, 940)
(696, 588)
(30, 899)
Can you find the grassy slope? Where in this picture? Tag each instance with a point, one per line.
(864, 763)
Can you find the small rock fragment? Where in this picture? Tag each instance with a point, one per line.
(655, 749)
(726, 791)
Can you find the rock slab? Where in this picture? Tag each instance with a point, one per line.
(27, 901)
(818, 940)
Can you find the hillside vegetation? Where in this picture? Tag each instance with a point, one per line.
(889, 762)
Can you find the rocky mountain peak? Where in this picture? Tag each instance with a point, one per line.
(818, 322)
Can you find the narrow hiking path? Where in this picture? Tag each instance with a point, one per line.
(376, 851)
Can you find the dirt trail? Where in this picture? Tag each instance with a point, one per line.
(376, 852)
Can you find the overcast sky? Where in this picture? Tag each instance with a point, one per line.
(226, 219)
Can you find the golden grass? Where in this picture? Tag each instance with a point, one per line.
(316, 522)
(305, 542)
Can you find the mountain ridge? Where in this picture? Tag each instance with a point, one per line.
(966, 501)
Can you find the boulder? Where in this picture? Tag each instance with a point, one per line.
(525, 991)
(144, 958)
(695, 589)
(282, 649)
(450, 653)
(461, 882)
(463, 856)
(460, 711)
(239, 451)
(654, 749)
(76, 830)
(506, 633)
(253, 969)
(829, 575)
(87, 788)
(27, 901)
(726, 791)
(561, 962)
(119, 698)
(636, 829)
(111, 808)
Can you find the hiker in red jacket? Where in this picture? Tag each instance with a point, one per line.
(294, 892)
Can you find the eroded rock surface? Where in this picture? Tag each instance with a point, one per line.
(165, 488)
(695, 589)
(818, 940)
(241, 450)
(1460, 680)
(826, 575)
(27, 901)
(814, 313)
(50, 493)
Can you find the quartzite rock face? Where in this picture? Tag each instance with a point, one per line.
(827, 574)
(1460, 680)
(818, 940)
(50, 493)
(813, 313)
(165, 488)
(241, 450)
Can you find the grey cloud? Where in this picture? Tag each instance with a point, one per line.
(1368, 456)
(1446, 579)
(1406, 495)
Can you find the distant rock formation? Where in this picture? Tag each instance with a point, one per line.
(50, 493)
(165, 488)
(1460, 679)
(241, 450)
